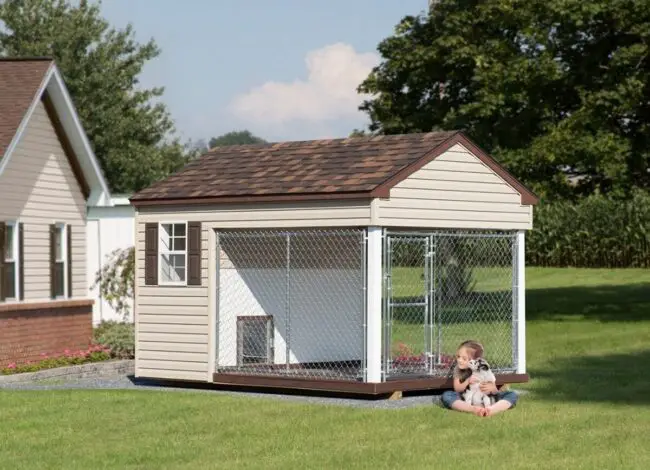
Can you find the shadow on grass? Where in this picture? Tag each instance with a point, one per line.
(602, 303)
(617, 378)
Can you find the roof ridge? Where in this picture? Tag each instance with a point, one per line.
(295, 143)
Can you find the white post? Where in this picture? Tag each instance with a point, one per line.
(521, 302)
(373, 304)
(213, 292)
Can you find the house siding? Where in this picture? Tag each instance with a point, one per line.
(39, 188)
(172, 332)
(456, 190)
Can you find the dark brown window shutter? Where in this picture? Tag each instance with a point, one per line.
(69, 259)
(2, 261)
(21, 260)
(151, 254)
(52, 261)
(194, 253)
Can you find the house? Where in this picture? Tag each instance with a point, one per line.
(49, 178)
(352, 265)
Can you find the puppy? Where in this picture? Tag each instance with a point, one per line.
(473, 395)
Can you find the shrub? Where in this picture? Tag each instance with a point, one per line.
(117, 337)
(95, 353)
(596, 232)
(116, 279)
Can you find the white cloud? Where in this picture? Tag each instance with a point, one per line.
(328, 94)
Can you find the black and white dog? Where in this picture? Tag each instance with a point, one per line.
(473, 395)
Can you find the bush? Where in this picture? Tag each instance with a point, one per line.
(116, 280)
(94, 353)
(597, 232)
(118, 337)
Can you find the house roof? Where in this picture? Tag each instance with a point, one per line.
(20, 80)
(359, 167)
(23, 83)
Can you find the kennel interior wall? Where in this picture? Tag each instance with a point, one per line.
(176, 326)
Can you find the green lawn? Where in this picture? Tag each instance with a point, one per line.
(588, 407)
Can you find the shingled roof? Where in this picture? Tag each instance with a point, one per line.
(359, 167)
(20, 80)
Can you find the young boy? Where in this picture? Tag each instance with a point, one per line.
(453, 400)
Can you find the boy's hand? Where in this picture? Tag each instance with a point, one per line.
(489, 387)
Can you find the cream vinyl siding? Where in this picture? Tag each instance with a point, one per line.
(172, 322)
(39, 188)
(456, 190)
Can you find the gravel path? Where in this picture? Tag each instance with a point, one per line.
(129, 383)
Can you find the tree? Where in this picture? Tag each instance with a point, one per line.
(557, 90)
(235, 138)
(359, 133)
(132, 136)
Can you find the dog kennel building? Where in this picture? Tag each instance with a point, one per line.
(351, 265)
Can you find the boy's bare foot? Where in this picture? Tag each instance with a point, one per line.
(487, 412)
(479, 411)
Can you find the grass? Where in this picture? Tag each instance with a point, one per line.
(588, 406)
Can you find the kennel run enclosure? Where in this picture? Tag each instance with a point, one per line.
(295, 303)
(342, 265)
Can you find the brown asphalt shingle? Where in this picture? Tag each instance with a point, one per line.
(319, 167)
(19, 82)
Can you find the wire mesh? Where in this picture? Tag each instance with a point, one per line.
(443, 288)
(292, 303)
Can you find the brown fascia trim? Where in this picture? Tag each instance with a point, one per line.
(349, 386)
(49, 305)
(527, 196)
(65, 143)
(26, 59)
(298, 197)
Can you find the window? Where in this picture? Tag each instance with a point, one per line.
(60, 279)
(254, 340)
(11, 262)
(173, 253)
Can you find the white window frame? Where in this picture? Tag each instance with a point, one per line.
(162, 251)
(15, 224)
(64, 255)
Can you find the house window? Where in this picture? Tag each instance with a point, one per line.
(254, 340)
(11, 262)
(173, 253)
(60, 261)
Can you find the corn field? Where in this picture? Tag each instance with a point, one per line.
(597, 232)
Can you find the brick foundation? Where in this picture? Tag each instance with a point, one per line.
(29, 330)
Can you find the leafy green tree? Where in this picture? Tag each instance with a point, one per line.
(557, 90)
(132, 136)
(235, 138)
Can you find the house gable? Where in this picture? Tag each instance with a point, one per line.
(456, 189)
(38, 188)
(53, 95)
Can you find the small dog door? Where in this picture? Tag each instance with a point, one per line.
(254, 340)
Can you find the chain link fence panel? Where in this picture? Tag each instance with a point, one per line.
(442, 288)
(292, 303)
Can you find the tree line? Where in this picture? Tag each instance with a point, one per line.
(557, 90)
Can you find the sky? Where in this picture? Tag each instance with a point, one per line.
(283, 69)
